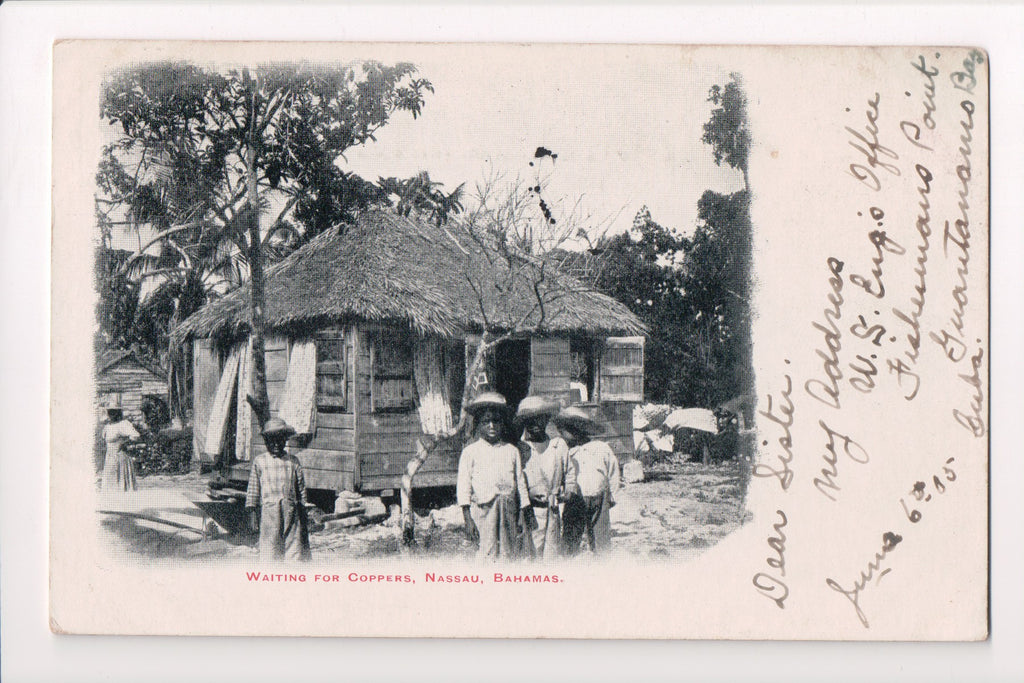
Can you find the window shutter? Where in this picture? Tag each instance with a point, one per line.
(622, 369)
(550, 367)
(391, 364)
(331, 365)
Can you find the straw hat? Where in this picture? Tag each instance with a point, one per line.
(532, 406)
(275, 426)
(113, 402)
(488, 399)
(575, 418)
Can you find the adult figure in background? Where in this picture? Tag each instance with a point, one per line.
(118, 469)
(278, 488)
(549, 477)
(491, 488)
(597, 477)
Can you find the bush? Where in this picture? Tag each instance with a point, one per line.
(158, 456)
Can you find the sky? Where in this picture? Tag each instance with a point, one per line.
(625, 122)
(626, 130)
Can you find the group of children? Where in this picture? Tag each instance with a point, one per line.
(546, 497)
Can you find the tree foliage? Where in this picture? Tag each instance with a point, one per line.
(717, 285)
(118, 299)
(727, 131)
(693, 293)
(187, 132)
(199, 155)
(638, 268)
(420, 193)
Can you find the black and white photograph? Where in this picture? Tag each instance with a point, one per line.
(451, 334)
(345, 255)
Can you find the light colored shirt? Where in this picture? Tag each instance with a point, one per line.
(275, 479)
(116, 433)
(487, 470)
(597, 469)
(546, 467)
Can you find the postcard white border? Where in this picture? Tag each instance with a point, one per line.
(26, 33)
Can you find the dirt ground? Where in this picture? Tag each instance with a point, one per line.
(680, 510)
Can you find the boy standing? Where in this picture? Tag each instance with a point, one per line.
(277, 487)
(491, 488)
(597, 476)
(549, 477)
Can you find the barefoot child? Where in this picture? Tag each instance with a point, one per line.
(491, 489)
(597, 476)
(277, 487)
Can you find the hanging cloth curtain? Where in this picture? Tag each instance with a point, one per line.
(701, 419)
(217, 426)
(435, 405)
(243, 422)
(298, 400)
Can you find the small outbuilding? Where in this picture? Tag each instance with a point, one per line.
(369, 331)
(122, 377)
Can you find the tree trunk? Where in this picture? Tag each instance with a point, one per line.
(408, 518)
(175, 395)
(259, 400)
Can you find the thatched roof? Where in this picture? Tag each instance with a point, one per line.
(111, 356)
(396, 269)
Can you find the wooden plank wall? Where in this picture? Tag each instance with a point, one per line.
(387, 441)
(549, 372)
(360, 449)
(328, 459)
(131, 382)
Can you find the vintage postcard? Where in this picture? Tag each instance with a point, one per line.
(532, 341)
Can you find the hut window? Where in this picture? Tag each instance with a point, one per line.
(330, 371)
(393, 386)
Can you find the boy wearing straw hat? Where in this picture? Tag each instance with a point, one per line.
(597, 477)
(549, 477)
(277, 487)
(491, 488)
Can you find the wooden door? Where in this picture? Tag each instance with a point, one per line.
(550, 368)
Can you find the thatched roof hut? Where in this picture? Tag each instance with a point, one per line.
(397, 269)
(369, 332)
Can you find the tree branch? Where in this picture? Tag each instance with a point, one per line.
(163, 235)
